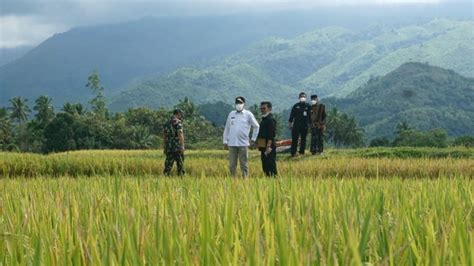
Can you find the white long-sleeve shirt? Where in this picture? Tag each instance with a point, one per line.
(237, 129)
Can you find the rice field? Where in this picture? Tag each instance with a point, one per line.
(114, 207)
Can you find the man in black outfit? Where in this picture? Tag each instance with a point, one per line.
(298, 123)
(266, 140)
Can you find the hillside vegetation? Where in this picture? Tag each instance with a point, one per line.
(333, 61)
(424, 96)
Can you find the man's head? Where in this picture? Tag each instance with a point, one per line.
(239, 103)
(265, 107)
(178, 113)
(314, 99)
(302, 97)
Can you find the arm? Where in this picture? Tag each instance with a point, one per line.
(255, 126)
(292, 115)
(225, 136)
(181, 139)
(271, 137)
(165, 139)
(323, 115)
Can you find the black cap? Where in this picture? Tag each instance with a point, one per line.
(177, 111)
(302, 94)
(314, 96)
(240, 99)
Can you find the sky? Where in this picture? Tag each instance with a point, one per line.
(29, 22)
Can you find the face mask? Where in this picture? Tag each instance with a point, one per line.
(313, 102)
(303, 99)
(239, 107)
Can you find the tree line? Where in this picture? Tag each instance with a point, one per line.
(77, 127)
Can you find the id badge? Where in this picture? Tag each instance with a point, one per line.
(304, 113)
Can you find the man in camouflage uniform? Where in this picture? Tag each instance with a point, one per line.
(173, 139)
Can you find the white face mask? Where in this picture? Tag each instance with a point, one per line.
(313, 102)
(303, 99)
(239, 107)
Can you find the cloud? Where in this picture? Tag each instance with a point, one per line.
(25, 30)
(31, 21)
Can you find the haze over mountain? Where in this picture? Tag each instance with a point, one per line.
(424, 96)
(8, 55)
(128, 51)
(332, 61)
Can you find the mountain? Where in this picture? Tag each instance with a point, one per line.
(8, 55)
(425, 96)
(126, 52)
(333, 61)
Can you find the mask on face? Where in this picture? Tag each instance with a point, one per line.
(313, 102)
(303, 99)
(239, 107)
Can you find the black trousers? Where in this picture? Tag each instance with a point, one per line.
(297, 132)
(317, 142)
(269, 163)
(172, 157)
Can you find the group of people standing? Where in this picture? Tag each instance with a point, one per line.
(243, 131)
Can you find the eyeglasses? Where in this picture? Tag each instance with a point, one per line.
(263, 108)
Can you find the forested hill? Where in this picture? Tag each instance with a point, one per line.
(424, 96)
(332, 61)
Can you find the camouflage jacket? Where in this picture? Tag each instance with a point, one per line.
(171, 132)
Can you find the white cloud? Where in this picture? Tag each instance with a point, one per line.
(25, 30)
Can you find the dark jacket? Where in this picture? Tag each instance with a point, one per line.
(299, 115)
(318, 115)
(267, 129)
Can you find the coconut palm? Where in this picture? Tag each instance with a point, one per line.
(44, 109)
(19, 109)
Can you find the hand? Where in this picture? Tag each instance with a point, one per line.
(268, 151)
(290, 125)
(226, 147)
(253, 144)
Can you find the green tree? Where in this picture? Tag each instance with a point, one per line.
(190, 110)
(19, 113)
(6, 134)
(59, 134)
(466, 141)
(44, 110)
(98, 103)
(343, 130)
(19, 109)
(380, 142)
(74, 109)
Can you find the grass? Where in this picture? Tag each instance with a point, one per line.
(345, 163)
(114, 207)
(144, 220)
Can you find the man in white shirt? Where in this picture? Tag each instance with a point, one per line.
(236, 136)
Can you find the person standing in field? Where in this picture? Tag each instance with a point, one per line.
(236, 136)
(173, 139)
(266, 140)
(298, 123)
(318, 125)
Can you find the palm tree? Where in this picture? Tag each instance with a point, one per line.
(19, 109)
(73, 108)
(45, 112)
